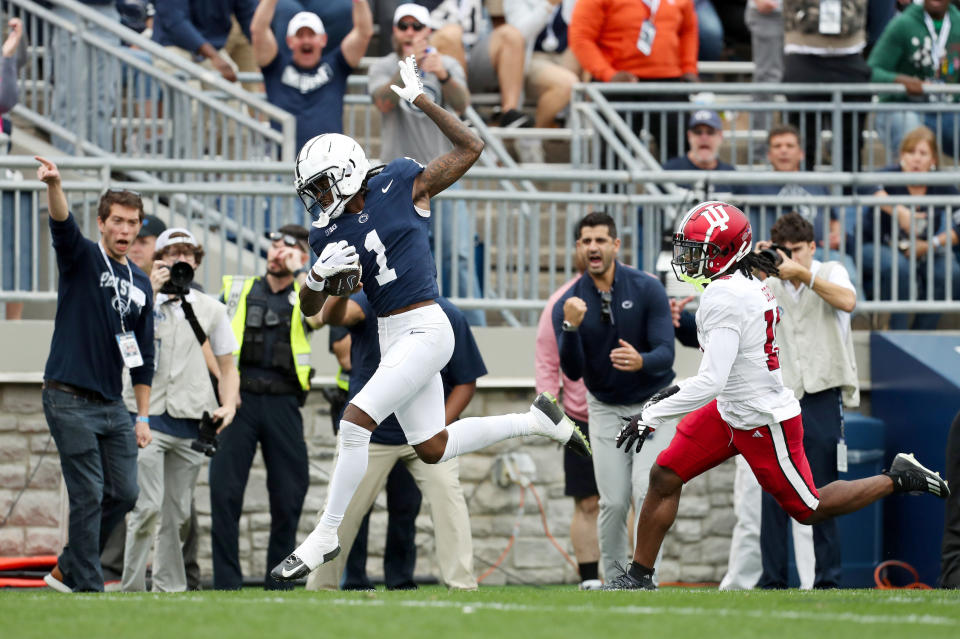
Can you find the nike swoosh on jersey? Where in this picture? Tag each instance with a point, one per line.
(387, 187)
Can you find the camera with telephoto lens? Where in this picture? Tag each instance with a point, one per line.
(181, 275)
(206, 442)
(771, 253)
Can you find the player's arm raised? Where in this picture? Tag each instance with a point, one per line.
(443, 171)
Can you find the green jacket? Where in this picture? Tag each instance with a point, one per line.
(905, 47)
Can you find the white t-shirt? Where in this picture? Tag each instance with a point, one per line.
(736, 325)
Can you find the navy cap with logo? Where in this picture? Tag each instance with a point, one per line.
(707, 117)
(152, 226)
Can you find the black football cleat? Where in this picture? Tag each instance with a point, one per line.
(910, 476)
(626, 581)
(555, 424)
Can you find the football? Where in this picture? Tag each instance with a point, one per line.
(343, 283)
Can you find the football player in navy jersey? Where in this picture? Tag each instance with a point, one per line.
(374, 223)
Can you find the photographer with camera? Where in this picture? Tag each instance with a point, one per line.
(184, 411)
(818, 365)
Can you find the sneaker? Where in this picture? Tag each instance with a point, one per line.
(54, 579)
(112, 585)
(514, 119)
(318, 548)
(591, 584)
(626, 581)
(551, 422)
(529, 150)
(909, 476)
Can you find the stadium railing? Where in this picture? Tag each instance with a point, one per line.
(528, 245)
(158, 114)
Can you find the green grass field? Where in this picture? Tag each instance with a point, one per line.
(511, 611)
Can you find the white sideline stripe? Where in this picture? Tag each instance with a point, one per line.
(468, 608)
(789, 471)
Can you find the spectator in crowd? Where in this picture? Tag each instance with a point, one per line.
(898, 224)
(336, 15)
(389, 447)
(704, 137)
(579, 481)
(104, 322)
(709, 31)
(764, 19)
(826, 51)
(785, 154)
(920, 46)
(17, 248)
(604, 36)
(551, 68)
(305, 81)
(197, 30)
(274, 363)
(614, 331)
(144, 247)
(950, 552)
(102, 79)
(408, 132)
(491, 53)
(820, 367)
(183, 391)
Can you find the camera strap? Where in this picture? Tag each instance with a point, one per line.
(201, 338)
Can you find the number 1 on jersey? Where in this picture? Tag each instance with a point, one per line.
(772, 316)
(372, 243)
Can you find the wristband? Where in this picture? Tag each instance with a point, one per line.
(445, 80)
(312, 283)
(813, 278)
(143, 418)
(937, 242)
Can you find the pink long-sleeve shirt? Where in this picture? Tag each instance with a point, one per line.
(547, 372)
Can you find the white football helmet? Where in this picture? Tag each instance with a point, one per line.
(329, 171)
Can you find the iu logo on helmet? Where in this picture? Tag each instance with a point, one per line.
(717, 216)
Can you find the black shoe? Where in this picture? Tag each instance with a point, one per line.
(514, 119)
(560, 428)
(626, 581)
(909, 476)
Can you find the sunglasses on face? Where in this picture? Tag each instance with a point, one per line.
(403, 25)
(289, 240)
(606, 307)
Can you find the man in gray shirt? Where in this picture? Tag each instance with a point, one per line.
(408, 132)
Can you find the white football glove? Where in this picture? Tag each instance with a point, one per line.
(412, 83)
(335, 258)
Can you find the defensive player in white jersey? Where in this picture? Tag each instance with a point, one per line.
(737, 403)
(372, 226)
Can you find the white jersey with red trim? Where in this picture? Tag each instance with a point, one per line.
(736, 325)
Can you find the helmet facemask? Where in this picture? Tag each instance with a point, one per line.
(323, 198)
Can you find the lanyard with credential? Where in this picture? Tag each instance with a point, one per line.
(938, 42)
(116, 288)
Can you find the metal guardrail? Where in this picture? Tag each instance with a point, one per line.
(840, 128)
(152, 112)
(527, 235)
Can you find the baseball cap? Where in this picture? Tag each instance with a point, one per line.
(419, 12)
(305, 19)
(152, 226)
(183, 237)
(705, 116)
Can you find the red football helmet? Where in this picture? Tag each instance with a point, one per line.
(710, 238)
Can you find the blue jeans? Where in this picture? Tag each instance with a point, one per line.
(457, 240)
(73, 78)
(98, 457)
(710, 30)
(899, 321)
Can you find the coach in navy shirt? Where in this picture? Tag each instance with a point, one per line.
(614, 329)
(104, 322)
(390, 459)
(305, 81)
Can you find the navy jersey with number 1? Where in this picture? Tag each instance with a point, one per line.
(391, 236)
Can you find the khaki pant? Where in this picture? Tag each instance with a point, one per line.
(440, 485)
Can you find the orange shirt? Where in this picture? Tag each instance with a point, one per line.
(603, 35)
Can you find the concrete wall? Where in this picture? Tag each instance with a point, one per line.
(695, 550)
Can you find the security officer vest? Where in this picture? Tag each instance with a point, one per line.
(181, 383)
(814, 354)
(248, 320)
